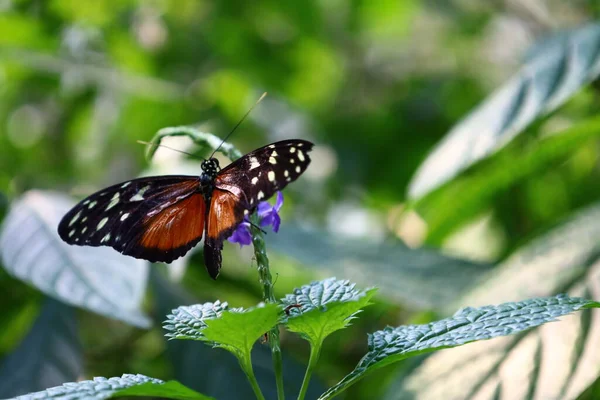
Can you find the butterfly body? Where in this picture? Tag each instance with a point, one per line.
(161, 218)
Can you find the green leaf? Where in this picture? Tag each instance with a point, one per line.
(553, 73)
(324, 307)
(467, 325)
(471, 193)
(95, 278)
(200, 138)
(188, 357)
(235, 329)
(127, 385)
(420, 277)
(566, 259)
(49, 355)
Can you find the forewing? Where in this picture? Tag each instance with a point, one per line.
(154, 218)
(259, 174)
(226, 213)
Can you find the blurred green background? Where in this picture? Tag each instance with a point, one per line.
(374, 83)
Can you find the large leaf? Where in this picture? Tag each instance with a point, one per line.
(554, 72)
(205, 369)
(556, 361)
(98, 279)
(127, 385)
(467, 325)
(465, 197)
(321, 308)
(48, 356)
(422, 278)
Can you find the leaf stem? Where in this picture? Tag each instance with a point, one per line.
(246, 364)
(315, 351)
(265, 278)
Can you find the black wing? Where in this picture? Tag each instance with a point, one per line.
(155, 218)
(243, 184)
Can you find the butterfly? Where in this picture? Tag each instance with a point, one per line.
(161, 218)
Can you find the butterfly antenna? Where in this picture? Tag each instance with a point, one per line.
(239, 123)
(170, 148)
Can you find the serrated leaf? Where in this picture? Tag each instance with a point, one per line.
(553, 73)
(49, 355)
(98, 279)
(321, 308)
(557, 361)
(189, 357)
(233, 329)
(467, 325)
(472, 193)
(419, 277)
(127, 385)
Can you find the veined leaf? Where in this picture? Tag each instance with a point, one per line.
(49, 355)
(188, 357)
(557, 361)
(127, 385)
(235, 329)
(554, 72)
(467, 325)
(419, 277)
(471, 193)
(321, 308)
(98, 279)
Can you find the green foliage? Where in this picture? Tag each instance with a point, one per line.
(467, 325)
(321, 308)
(127, 385)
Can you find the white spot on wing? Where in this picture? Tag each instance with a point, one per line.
(92, 204)
(140, 194)
(254, 180)
(72, 233)
(274, 154)
(106, 238)
(298, 169)
(84, 229)
(124, 216)
(125, 184)
(102, 223)
(292, 161)
(75, 218)
(271, 146)
(113, 202)
(245, 212)
(254, 163)
(292, 149)
(300, 155)
(260, 195)
(84, 219)
(271, 176)
(272, 160)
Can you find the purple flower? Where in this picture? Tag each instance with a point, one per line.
(268, 215)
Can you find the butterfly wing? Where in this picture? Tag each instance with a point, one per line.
(243, 184)
(155, 218)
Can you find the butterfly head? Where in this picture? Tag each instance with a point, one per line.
(210, 167)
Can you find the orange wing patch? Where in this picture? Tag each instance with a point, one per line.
(177, 226)
(225, 214)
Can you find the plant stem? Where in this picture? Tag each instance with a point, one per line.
(315, 351)
(246, 365)
(264, 276)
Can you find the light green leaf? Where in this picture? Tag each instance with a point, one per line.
(553, 73)
(49, 355)
(472, 193)
(235, 329)
(467, 325)
(95, 278)
(127, 385)
(321, 308)
(420, 277)
(566, 259)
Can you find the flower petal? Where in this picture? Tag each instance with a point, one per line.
(241, 235)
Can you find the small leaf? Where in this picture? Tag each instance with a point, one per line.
(49, 355)
(235, 329)
(553, 73)
(127, 385)
(467, 325)
(422, 278)
(95, 278)
(324, 307)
